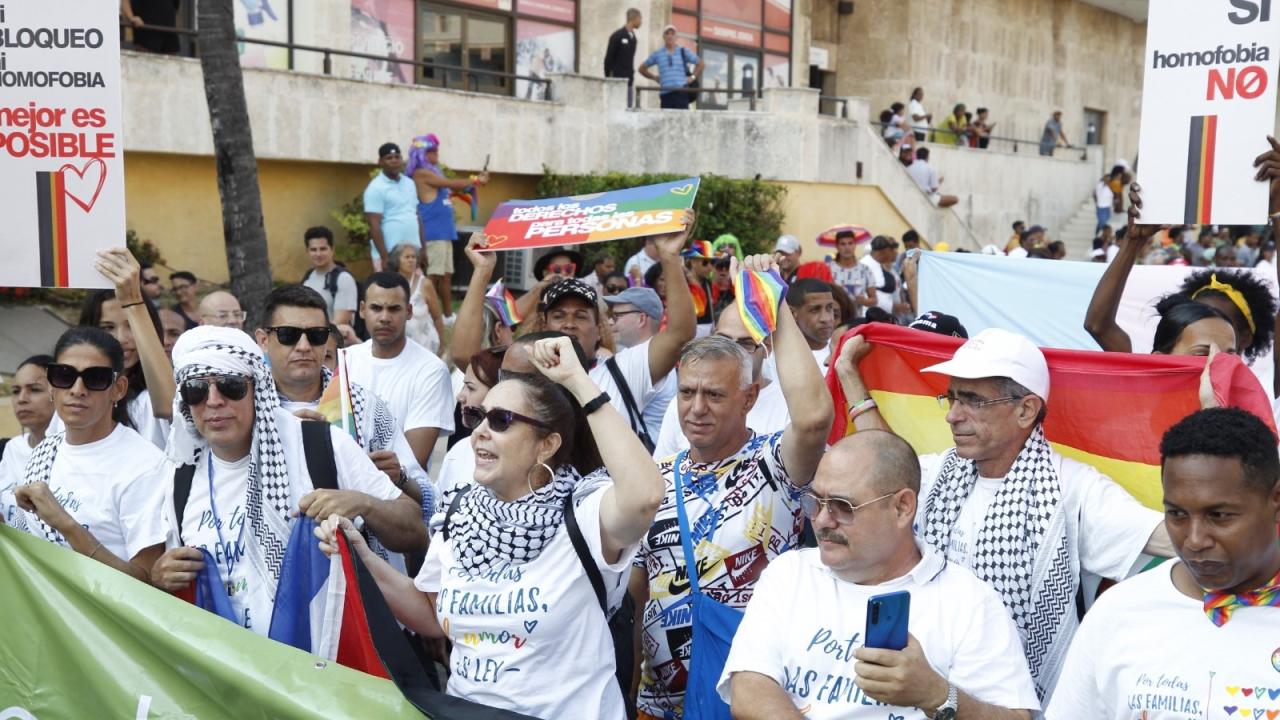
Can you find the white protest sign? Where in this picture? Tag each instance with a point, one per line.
(61, 169)
(1208, 104)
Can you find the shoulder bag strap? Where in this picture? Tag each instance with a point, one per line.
(629, 401)
(686, 537)
(182, 476)
(453, 507)
(584, 554)
(317, 446)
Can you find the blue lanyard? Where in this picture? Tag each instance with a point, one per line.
(227, 552)
(686, 537)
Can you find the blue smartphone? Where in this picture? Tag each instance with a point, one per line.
(887, 617)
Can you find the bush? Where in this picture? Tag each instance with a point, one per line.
(143, 250)
(750, 209)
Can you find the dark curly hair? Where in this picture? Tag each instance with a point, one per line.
(1256, 295)
(1227, 433)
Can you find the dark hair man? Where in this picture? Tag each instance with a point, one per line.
(331, 280)
(814, 309)
(185, 286)
(620, 55)
(390, 205)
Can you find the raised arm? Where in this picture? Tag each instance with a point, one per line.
(468, 330)
(1268, 165)
(855, 391)
(1100, 319)
(664, 348)
(427, 177)
(627, 509)
(119, 266)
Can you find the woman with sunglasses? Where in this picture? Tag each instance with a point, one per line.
(426, 326)
(459, 465)
(503, 567)
(96, 487)
(33, 409)
(134, 322)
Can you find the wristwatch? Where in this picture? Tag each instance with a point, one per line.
(948, 709)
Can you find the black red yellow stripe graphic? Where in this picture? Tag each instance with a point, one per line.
(51, 208)
(1200, 158)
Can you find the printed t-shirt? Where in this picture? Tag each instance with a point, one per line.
(12, 467)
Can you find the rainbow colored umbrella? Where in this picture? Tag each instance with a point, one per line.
(827, 238)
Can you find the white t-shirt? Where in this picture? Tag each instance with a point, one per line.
(252, 597)
(884, 300)
(1145, 650)
(1103, 196)
(916, 108)
(531, 637)
(768, 416)
(152, 429)
(14, 463)
(1018, 252)
(642, 260)
(1106, 526)
(656, 410)
(415, 385)
(803, 625)
(924, 175)
(113, 488)
(458, 469)
(346, 297)
(633, 363)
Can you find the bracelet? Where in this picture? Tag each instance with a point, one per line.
(595, 404)
(862, 407)
(129, 305)
(95, 550)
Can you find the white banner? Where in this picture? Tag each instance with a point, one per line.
(1208, 104)
(61, 169)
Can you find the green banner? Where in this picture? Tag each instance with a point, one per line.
(79, 640)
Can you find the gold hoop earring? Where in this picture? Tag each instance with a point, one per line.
(528, 478)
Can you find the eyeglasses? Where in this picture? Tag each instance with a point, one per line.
(150, 281)
(196, 391)
(180, 288)
(227, 315)
(289, 335)
(499, 419)
(563, 269)
(64, 377)
(614, 289)
(970, 403)
(614, 316)
(841, 510)
(745, 343)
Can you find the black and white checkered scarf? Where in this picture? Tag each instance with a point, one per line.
(40, 469)
(206, 351)
(1022, 549)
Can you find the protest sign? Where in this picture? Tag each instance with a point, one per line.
(1208, 104)
(616, 215)
(61, 173)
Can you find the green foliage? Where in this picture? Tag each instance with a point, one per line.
(750, 209)
(351, 218)
(144, 250)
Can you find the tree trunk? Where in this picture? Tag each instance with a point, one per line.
(242, 228)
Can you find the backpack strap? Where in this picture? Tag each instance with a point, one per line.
(584, 554)
(182, 477)
(317, 446)
(331, 281)
(453, 507)
(628, 400)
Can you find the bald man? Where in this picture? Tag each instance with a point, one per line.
(221, 309)
(800, 651)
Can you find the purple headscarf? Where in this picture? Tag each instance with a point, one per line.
(418, 150)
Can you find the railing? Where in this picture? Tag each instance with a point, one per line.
(932, 132)
(471, 75)
(751, 95)
(827, 103)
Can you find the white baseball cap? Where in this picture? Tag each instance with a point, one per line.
(999, 353)
(787, 244)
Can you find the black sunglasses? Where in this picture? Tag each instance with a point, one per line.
(95, 378)
(289, 335)
(499, 419)
(151, 281)
(196, 391)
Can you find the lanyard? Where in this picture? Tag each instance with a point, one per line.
(686, 536)
(227, 552)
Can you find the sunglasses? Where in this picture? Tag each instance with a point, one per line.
(64, 377)
(196, 391)
(499, 419)
(565, 269)
(289, 335)
(615, 288)
(841, 510)
(151, 281)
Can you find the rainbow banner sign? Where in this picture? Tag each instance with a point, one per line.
(1208, 104)
(1108, 410)
(615, 215)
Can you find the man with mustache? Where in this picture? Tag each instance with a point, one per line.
(1214, 616)
(799, 651)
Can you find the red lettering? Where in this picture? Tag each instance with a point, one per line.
(1225, 86)
(1249, 83)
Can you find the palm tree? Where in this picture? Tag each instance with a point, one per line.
(242, 227)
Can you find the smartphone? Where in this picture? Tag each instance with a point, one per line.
(887, 617)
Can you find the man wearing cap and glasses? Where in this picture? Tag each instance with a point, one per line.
(245, 458)
(635, 315)
(390, 205)
(673, 61)
(1005, 504)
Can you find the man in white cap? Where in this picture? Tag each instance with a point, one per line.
(787, 252)
(1004, 504)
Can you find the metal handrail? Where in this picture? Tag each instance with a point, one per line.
(994, 138)
(752, 95)
(328, 54)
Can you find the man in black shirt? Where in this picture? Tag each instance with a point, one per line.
(620, 57)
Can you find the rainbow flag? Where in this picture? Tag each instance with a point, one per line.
(1109, 410)
(699, 249)
(504, 304)
(51, 213)
(758, 296)
(335, 402)
(471, 196)
(1201, 153)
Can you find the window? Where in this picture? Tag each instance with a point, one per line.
(461, 38)
(728, 68)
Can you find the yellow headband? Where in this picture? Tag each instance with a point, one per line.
(1232, 294)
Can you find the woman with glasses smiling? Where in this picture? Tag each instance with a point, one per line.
(503, 579)
(96, 486)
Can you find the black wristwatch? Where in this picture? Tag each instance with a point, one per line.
(596, 403)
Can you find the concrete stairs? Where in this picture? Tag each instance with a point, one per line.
(1078, 233)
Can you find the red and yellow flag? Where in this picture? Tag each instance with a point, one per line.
(1109, 410)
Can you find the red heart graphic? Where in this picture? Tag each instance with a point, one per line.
(1247, 691)
(83, 179)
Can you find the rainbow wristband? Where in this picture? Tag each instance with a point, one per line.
(864, 406)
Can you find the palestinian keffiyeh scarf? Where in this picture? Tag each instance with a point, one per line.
(488, 532)
(40, 469)
(375, 425)
(1022, 549)
(208, 351)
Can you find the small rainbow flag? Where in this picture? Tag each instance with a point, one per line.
(51, 211)
(700, 302)
(758, 295)
(1201, 152)
(471, 196)
(335, 402)
(699, 249)
(504, 304)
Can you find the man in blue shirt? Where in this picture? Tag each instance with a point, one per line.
(390, 206)
(672, 61)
